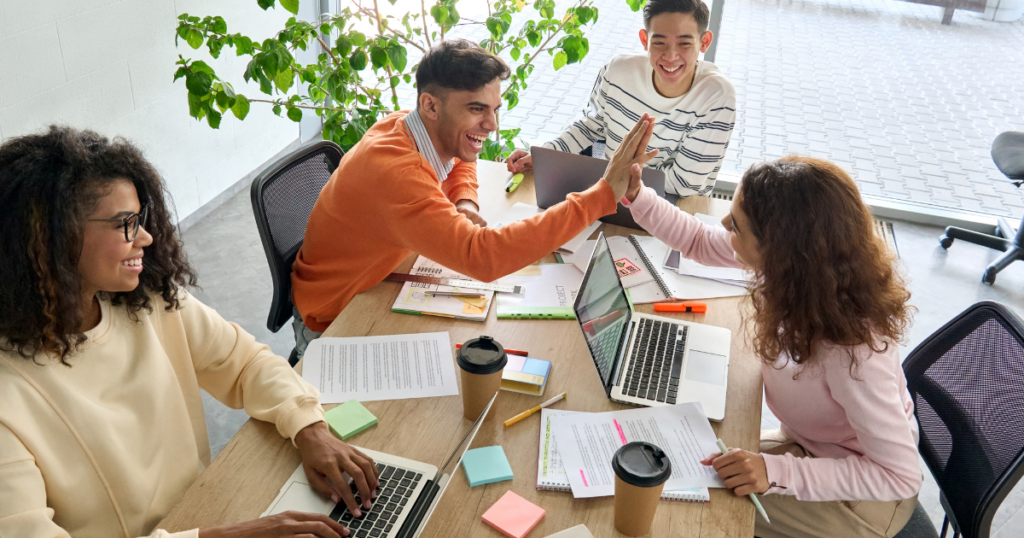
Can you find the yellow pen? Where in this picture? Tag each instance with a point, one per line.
(513, 182)
(529, 412)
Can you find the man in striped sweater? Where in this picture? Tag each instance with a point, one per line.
(693, 104)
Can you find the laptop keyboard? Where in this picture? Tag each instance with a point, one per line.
(393, 499)
(656, 361)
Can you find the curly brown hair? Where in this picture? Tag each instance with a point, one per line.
(49, 183)
(824, 273)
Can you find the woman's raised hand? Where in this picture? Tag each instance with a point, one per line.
(630, 157)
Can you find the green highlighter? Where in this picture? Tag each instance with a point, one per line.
(349, 419)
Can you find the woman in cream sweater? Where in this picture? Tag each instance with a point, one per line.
(103, 353)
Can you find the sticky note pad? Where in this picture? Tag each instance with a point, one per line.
(486, 465)
(349, 419)
(513, 515)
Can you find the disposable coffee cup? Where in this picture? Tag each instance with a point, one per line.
(482, 361)
(641, 470)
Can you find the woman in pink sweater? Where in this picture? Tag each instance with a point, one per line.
(828, 312)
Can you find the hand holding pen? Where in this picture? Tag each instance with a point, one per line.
(743, 472)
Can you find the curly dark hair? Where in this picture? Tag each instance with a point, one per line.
(825, 275)
(49, 184)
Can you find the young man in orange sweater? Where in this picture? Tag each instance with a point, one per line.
(410, 186)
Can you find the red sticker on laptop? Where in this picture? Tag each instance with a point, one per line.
(626, 267)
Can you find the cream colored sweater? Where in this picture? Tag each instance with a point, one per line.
(107, 447)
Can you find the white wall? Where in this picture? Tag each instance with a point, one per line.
(108, 65)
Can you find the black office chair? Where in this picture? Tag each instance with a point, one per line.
(1008, 154)
(282, 199)
(967, 383)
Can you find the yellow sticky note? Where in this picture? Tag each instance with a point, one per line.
(472, 309)
(478, 302)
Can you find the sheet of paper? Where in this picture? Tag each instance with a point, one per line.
(521, 211)
(393, 367)
(581, 258)
(587, 442)
(556, 287)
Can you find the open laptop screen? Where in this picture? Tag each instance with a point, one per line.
(602, 310)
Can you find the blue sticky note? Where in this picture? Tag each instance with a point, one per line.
(536, 367)
(486, 465)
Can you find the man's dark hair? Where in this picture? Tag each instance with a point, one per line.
(458, 64)
(49, 184)
(697, 8)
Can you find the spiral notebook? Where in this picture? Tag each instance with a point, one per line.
(669, 285)
(551, 474)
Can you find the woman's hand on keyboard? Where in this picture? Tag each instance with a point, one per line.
(325, 458)
(280, 526)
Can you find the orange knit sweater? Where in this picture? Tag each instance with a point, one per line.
(384, 201)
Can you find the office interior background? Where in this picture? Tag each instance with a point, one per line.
(907, 97)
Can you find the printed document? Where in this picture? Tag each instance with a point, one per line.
(392, 367)
(587, 442)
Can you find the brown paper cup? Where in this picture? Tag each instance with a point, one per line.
(635, 507)
(477, 390)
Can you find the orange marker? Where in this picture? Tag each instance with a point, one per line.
(688, 306)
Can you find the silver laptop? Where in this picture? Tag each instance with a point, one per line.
(556, 174)
(409, 492)
(649, 360)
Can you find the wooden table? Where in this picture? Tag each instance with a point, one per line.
(247, 474)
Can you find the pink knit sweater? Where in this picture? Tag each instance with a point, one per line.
(861, 429)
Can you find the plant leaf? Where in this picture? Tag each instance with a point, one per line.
(198, 83)
(292, 6)
(397, 55)
(284, 80)
(213, 118)
(344, 45)
(241, 107)
(294, 114)
(194, 38)
(358, 60)
(265, 4)
(560, 60)
(378, 57)
(515, 52)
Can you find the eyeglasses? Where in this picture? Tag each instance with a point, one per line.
(131, 223)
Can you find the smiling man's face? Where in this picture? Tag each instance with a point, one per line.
(465, 119)
(673, 43)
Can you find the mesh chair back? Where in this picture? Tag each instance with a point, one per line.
(967, 383)
(282, 199)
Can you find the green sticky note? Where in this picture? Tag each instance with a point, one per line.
(349, 419)
(486, 465)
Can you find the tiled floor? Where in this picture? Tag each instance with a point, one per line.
(908, 106)
(226, 250)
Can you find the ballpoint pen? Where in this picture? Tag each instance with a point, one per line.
(757, 503)
(533, 410)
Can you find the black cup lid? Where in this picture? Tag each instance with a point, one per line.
(641, 464)
(482, 356)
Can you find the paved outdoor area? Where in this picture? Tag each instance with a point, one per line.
(910, 107)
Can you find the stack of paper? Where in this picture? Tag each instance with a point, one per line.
(587, 442)
(551, 472)
(522, 211)
(416, 299)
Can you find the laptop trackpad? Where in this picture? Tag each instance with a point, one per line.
(705, 367)
(301, 498)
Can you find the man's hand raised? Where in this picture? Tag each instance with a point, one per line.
(630, 157)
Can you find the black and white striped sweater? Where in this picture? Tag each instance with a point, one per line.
(691, 132)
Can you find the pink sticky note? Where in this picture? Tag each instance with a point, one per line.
(513, 515)
(515, 363)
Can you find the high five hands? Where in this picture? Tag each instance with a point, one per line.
(623, 169)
